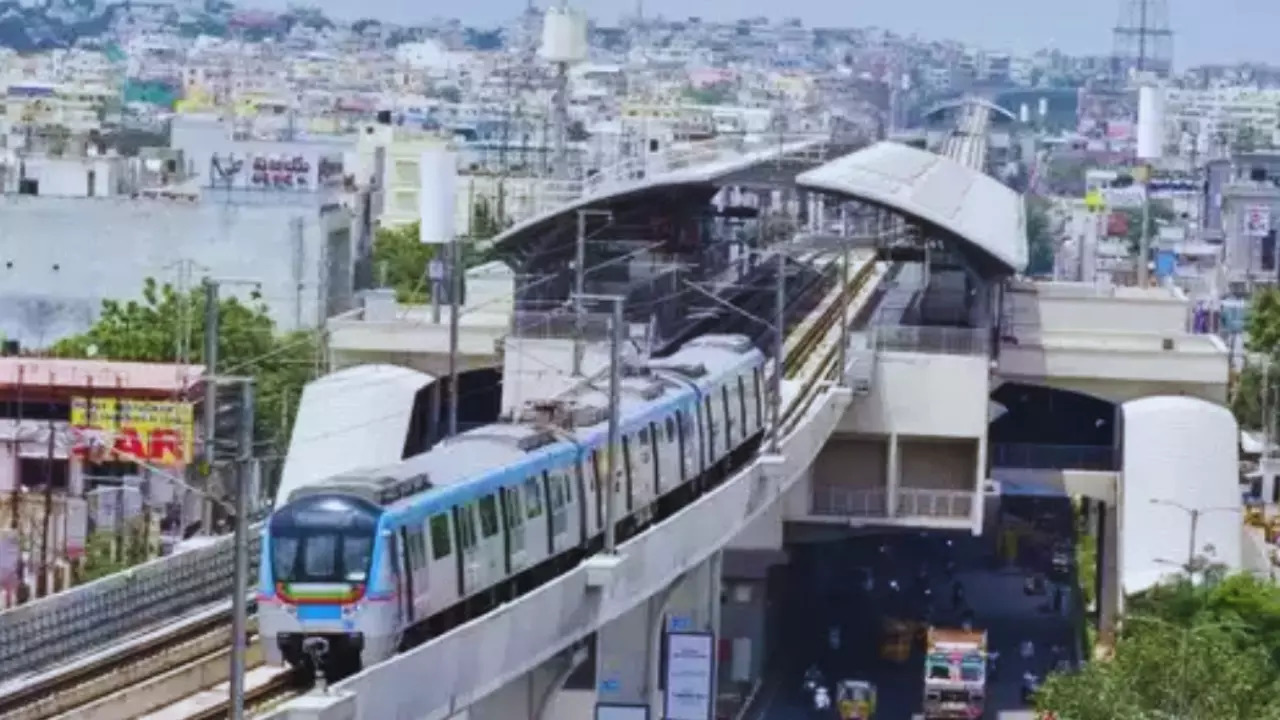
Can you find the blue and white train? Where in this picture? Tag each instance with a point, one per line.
(375, 561)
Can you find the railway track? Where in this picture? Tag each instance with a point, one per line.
(182, 674)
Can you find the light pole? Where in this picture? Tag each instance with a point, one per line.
(1194, 513)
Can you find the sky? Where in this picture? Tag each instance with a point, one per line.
(1207, 31)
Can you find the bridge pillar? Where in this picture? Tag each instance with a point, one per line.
(893, 476)
(1109, 590)
(980, 486)
(629, 650)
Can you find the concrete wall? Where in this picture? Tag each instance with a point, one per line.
(1058, 306)
(61, 257)
(908, 390)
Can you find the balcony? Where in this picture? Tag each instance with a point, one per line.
(1032, 456)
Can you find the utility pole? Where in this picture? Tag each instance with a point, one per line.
(615, 424)
(617, 336)
(239, 597)
(211, 330)
(455, 308)
(579, 287)
(843, 367)
(779, 329)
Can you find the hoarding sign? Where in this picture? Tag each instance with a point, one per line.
(9, 550)
(690, 676)
(152, 431)
(1257, 220)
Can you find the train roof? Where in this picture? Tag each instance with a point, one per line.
(705, 358)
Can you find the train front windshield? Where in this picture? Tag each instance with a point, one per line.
(323, 539)
(321, 557)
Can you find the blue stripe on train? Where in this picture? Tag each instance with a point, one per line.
(319, 612)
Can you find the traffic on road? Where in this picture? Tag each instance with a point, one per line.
(893, 625)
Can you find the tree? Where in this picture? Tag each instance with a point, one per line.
(1040, 245)
(151, 330)
(1188, 649)
(400, 259)
(1166, 671)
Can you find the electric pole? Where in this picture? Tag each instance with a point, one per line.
(779, 329)
(615, 425)
(455, 308)
(211, 303)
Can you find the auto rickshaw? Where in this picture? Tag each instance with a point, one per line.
(856, 700)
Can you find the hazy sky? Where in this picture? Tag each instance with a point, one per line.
(1206, 30)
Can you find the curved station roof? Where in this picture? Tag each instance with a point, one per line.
(966, 203)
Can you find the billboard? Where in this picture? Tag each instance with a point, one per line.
(690, 676)
(152, 431)
(278, 172)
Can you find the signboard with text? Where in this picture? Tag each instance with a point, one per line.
(152, 431)
(690, 676)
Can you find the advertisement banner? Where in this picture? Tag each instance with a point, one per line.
(1257, 220)
(690, 676)
(152, 431)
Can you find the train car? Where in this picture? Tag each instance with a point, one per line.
(376, 560)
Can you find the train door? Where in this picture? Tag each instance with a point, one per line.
(465, 521)
(709, 421)
(492, 546)
(741, 409)
(513, 512)
(399, 546)
(727, 401)
(595, 470)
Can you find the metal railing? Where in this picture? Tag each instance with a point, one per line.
(932, 340)
(838, 501)
(952, 504)
(1035, 456)
(62, 626)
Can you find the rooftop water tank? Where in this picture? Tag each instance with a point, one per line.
(564, 36)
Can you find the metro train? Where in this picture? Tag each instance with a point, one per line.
(377, 560)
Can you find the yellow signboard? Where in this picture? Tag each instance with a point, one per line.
(1093, 200)
(148, 430)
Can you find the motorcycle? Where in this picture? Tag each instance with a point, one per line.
(812, 680)
(1030, 685)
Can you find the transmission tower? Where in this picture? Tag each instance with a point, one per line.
(1142, 40)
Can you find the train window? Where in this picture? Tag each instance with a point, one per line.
(742, 403)
(671, 430)
(488, 516)
(440, 536)
(644, 437)
(568, 488)
(557, 493)
(532, 498)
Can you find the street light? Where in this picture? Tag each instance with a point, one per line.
(1194, 513)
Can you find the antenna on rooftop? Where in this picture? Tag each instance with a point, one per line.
(1142, 40)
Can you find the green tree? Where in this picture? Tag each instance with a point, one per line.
(1262, 328)
(1208, 648)
(152, 329)
(1040, 243)
(401, 260)
(1161, 670)
(107, 553)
